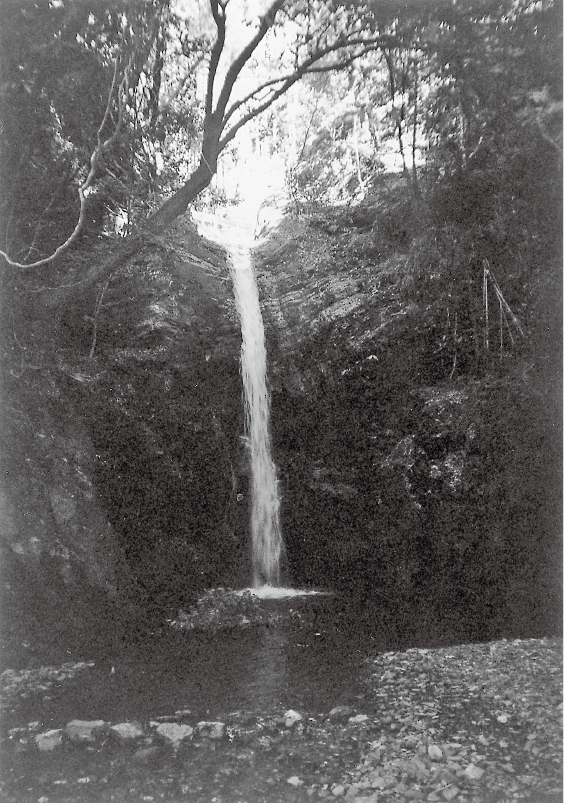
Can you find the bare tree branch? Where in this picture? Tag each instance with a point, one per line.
(352, 43)
(234, 70)
(218, 13)
(307, 67)
(68, 175)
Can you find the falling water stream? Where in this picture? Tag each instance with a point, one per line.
(267, 545)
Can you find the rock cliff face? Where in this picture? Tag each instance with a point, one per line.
(312, 297)
(121, 455)
(399, 483)
(125, 483)
(51, 509)
(60, 556)
(341, 407)
(167, 419)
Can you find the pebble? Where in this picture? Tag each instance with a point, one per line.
(49, 740)
(435, 752)
(295, 781)
(80, 730)
(128, 730)
(473, 772)
(174, 732)
(341, 712)
(338, 791)
(291, 717)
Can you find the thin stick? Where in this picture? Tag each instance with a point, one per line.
(485, 305)
(97, 309)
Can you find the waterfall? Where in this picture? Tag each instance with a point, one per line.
(267, 545)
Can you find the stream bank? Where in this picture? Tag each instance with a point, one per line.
(475, 723)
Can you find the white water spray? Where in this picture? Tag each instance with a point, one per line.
(267, 545)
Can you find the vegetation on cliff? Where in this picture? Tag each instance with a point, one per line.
(416, 372)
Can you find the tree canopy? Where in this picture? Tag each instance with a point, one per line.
(115, 116)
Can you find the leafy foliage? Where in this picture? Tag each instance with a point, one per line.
(58, 65)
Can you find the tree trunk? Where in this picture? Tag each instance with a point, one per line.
(132, 244)
(181, 200)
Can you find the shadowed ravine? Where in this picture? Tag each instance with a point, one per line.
(366, 692)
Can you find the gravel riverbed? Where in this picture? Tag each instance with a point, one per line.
(475, 723)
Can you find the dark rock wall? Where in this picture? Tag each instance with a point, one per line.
(60, 555)
(401, 485)
(124, 483)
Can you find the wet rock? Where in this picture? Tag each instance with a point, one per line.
(49, 740)
(79, 730)
(291, 717)
(211, 730)
(174, 732)
(435, 752)
(341, 712)
(128, 730)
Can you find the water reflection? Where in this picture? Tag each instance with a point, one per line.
(311, 661)
(265, 682)
(306, 662)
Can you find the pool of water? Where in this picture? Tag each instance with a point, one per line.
(310, 661)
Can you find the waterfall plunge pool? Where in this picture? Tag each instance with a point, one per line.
(311, 661)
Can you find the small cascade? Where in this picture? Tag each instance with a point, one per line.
(267, 544)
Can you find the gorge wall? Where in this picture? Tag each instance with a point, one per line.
(404, 482)
(125, 479)
(125, 482)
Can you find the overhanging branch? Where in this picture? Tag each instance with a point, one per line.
(310, 65)
(234, 70)
(218, 13)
